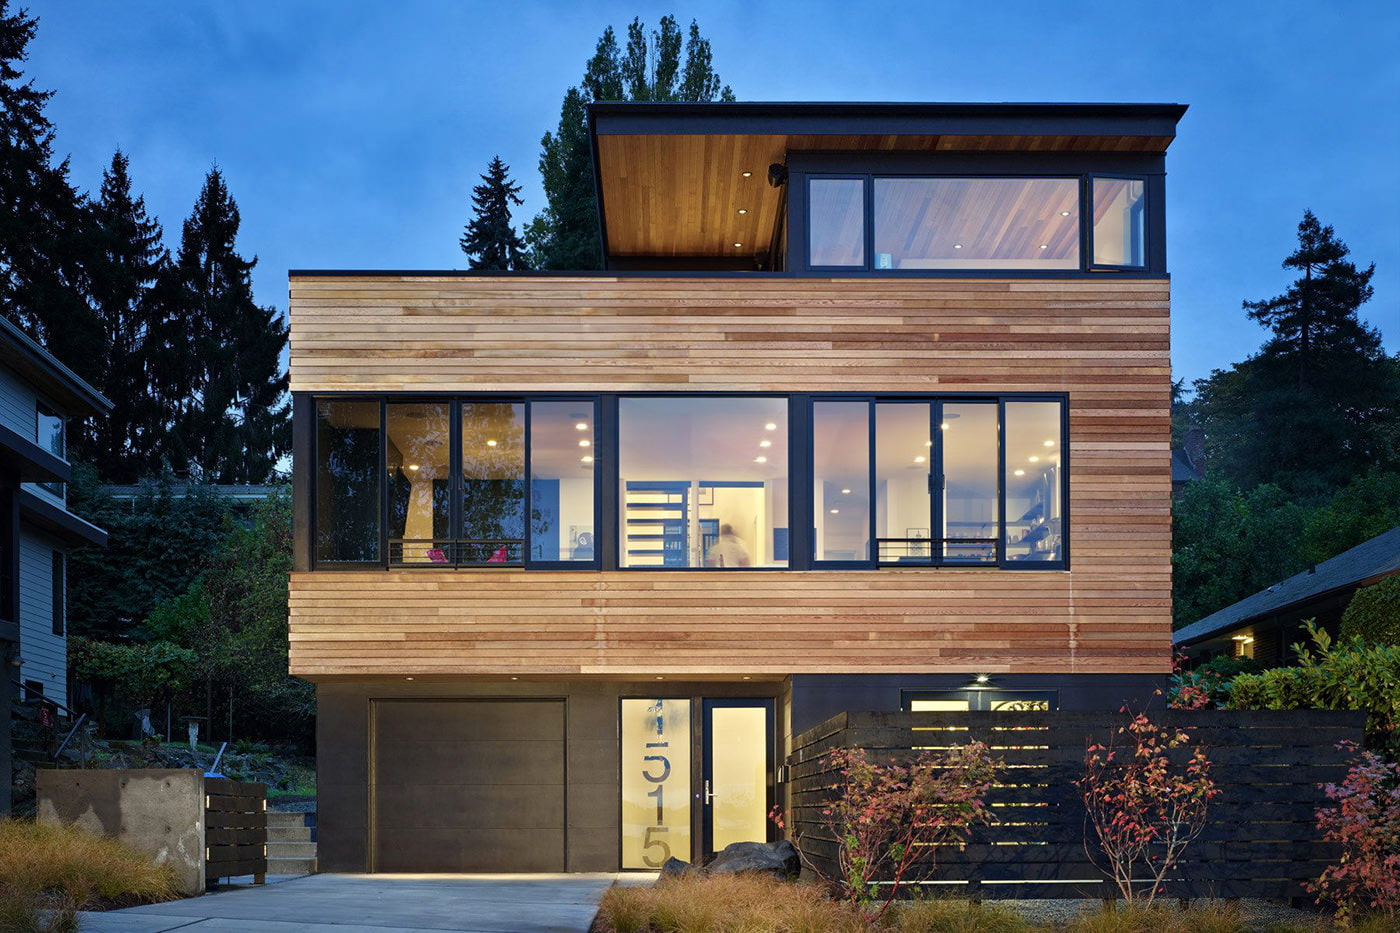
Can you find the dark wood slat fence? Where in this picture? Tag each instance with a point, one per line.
(235, 829)
(1261, 841)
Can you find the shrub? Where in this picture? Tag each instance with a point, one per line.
(43, 858)
(888, 820)
(724, 904)
(1144, 810)
(1373, 615)
(1346, 675)
(1206, 686)
(32, 912)
(1366, 823)
(956, 916)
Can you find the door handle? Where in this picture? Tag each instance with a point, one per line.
(708, 795)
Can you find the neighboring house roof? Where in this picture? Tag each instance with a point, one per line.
(1183, 470)
(42, 370)
(1371, 560)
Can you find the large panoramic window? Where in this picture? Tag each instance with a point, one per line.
(492, 527)
(347, 482)
(418, 441)
(704, 482)
(976, 223)
(841, 480)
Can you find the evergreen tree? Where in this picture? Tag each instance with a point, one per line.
(565, 234)
(43, 219)
(1319, 403)
(126, 259)
(490, 240)
(220, 371)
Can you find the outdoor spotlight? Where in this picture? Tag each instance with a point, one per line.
(777, 175)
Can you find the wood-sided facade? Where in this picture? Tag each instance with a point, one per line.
(531, 666)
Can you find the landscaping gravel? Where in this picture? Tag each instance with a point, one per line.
(1258, 913)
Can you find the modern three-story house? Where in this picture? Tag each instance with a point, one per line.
(869, 411)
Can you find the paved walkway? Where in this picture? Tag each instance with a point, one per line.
(376, 904)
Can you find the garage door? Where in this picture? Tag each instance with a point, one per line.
(468, 785)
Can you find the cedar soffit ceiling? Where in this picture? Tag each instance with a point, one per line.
(671, 176)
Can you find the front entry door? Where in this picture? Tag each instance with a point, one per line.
(737, 781)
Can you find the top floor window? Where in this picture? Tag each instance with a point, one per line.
(49, 433)
(968, 224)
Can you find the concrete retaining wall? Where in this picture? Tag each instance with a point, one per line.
(157, 812)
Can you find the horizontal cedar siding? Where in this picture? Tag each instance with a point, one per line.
(1103, 341)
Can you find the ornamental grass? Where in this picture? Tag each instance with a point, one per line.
(63, 866)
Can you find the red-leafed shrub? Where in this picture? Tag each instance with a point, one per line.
(1366, 823)
(1144, 809)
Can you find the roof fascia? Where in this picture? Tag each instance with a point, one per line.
(42, 369)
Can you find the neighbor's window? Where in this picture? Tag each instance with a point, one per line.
(836, 222)
(1034, 482)
(976, 223)
(1118, 221)
(49, 431)
(347, 481)
(704, 482)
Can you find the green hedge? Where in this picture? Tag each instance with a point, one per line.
(1349, 674)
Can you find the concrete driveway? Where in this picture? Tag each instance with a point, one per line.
(376, 904)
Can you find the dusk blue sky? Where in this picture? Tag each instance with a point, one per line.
(351, 133)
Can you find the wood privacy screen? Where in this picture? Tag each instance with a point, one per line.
(1261, 841)
(235, 829)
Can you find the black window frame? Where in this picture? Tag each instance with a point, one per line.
(607, 516)
(454, 403)
(936, 401)
(1084, 179)
(1087, 197)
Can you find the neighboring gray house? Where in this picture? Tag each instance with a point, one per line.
(38, 395)
(1265, 625)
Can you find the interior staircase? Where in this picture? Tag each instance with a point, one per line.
(291, 843)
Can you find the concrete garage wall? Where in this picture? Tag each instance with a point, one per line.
(156, 812)
(343, 730)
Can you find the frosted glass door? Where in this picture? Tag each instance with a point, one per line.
(738, 771)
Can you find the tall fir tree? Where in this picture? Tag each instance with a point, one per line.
(1319, 404)
(126, 259)
(220, 371)
(564, 236)
(44, 220)
(490, 240)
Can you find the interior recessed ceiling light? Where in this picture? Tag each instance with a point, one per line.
(770, 426)
(957, 246)
(660, 678)
(845, 492)
(581, 426)
(765, 443)
(515, 678)
(585, 459)
(1020, 472)
(408, 678)
(743, 210)
(835, 511)
(747, 174)
(920, 459)
(413, 466)
(1035, 459)
(943, 426)
(1049, 443)
(585, 443)
(1064, 213)
(760, 459)
(1045, 246)
(490, 443)
(746, 677)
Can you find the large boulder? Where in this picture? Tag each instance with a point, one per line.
(775, 858)
(675, 868)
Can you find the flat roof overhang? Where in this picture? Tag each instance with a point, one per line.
(670, 176)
